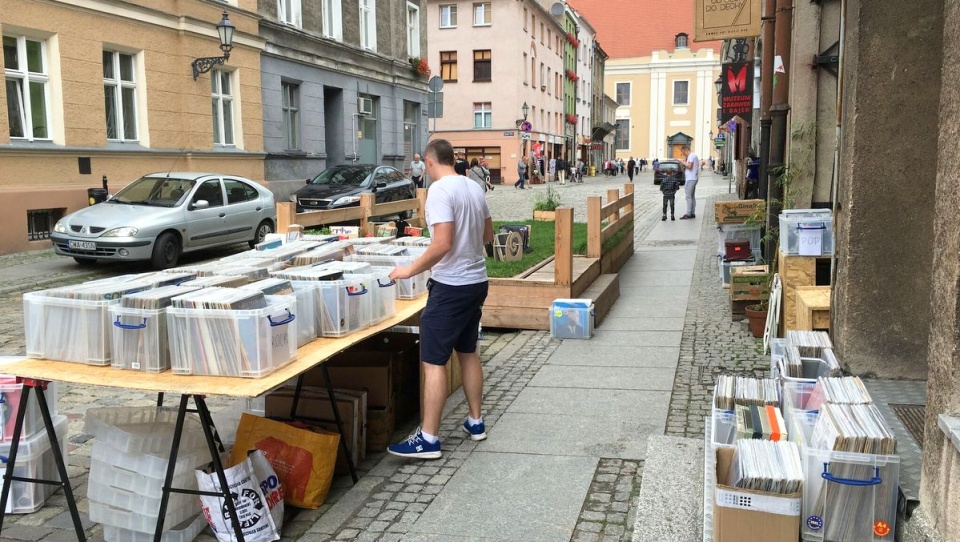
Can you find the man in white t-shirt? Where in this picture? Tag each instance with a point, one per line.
(417, 167)
(460, 226)
(691, 173)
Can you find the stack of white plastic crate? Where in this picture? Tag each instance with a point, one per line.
(34, 455)
(128, 464)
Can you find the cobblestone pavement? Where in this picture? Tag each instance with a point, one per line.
(394, 493)
(711, 343)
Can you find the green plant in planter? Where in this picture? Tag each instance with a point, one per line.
(547, 202)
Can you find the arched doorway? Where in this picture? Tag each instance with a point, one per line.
(676, 141)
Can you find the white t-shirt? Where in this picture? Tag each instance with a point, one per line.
(692, 174)
(417, 168)
(457, 199)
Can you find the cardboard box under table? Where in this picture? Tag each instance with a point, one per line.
(38, 373)
(741, 515)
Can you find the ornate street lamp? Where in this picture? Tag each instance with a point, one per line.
(226, 29)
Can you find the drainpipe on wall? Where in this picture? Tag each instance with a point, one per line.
(779, 129)
(766, 99)
(835, 178)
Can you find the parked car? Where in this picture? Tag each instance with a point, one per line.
(670, 168)
(340, 186)
(163, 215)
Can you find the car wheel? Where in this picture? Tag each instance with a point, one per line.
(86, 262)
(264, 229)
(166, 251)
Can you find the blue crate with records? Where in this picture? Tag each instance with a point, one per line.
(572, 318)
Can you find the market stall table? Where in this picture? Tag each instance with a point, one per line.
(37, 373)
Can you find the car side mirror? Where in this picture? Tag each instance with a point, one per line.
(308, 181)
(200, 204)
(381, 184)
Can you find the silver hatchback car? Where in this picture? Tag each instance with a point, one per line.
(162, 215)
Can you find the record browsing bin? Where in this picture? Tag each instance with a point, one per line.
(82, 328)
(381, 301)
(343, 306)
(34, 460)
(410, 288)
(139, 339)
(242, 343)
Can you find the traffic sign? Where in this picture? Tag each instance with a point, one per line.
(435, 83)
(526, 127)
(526, 136)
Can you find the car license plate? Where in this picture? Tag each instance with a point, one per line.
(82, 245)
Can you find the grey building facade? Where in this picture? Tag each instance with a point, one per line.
(339, 87)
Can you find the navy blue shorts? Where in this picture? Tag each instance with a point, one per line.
(450, 321)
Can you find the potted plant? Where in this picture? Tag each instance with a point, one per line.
(420, 66)
(545, 206)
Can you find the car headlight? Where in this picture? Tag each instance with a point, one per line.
(121, 232)
(293, 198)
(60, 227)
(347, 199)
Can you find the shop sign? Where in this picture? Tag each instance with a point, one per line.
(726, 19)
(736, 91)
(719, 143)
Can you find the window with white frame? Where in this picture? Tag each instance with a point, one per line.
(623, 93)
(221, 92)
(448, 16)
(681, 91)
(26, 81)
(482, 115)
(413, 30)
(482, 14)
(622, 140)
(120, 96)
(290, 106)
(332, 19)
(289, 12)
(368, 24)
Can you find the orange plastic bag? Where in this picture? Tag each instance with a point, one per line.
(303, 460)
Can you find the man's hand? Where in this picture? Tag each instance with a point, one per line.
(400, 273)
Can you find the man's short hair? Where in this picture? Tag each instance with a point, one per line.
(441, 151)
(685, 147)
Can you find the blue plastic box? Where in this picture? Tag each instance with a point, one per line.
(572, 318)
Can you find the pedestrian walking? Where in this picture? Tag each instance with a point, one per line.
(668, 187)
(476, 174)
(691, 173)
(656, 163)
(460, 164)
(631, 165)
(486, 173)
(521, 172)
(561, 170)
(460, 225)
(417, 167)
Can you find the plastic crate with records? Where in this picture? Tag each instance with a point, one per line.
(231, 332)
(410, 288)
(342, 299)
(305, 303)
(34, 460)
(139, 329)
(745, 407)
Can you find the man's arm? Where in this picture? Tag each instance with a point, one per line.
(439, 246)
(488, 231)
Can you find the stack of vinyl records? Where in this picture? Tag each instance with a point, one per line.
(848, 390)
(810, 343)
(139, 331)
(760, 422)
(411, 241)
(323, 253)
(770, 467)
(383, 250)
(734, 390)
(856, 428)
(796, 365)
(308, 316)
(309, 272)
(223, 281)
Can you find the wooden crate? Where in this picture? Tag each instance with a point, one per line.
(749, 283)
(813, 308)
(795, 272)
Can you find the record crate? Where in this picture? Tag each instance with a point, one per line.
(572, 318)
(74, 330)
(184, 532)
(410, 288)
(849, 496)
(381, 301)
(795, 223)
(10, 391)
(241, 343)
(343, 306)
(139, 339)
(136, 430)
(35, 460)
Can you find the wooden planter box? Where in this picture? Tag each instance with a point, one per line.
(545, 216)
(612, 260)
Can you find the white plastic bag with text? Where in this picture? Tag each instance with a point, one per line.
(257, 496)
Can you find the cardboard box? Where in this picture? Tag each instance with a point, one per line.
(314, 409)
(742, 514)
(402, 352)
(751, 282)
(381, 424)
(738, 211)
(372, 376)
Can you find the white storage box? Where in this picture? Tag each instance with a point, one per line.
(778, 349)
(133, 430)
(35, 460)
(410, 288)
(10, 392)
(131, 521)
(142, 472)
(849, 493)
(380, 302)
(798, 418)
(244, 343)
(795, 221)
(67, 329)
(139, 339)
(139, 502)
(185, 532)
(342, 306)
(727, 232)
(572, 318)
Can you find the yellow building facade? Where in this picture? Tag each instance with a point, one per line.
(664, 100)
(97, 89)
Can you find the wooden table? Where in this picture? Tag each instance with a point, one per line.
(37, 373)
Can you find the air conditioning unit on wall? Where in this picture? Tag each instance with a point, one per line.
(365, 106)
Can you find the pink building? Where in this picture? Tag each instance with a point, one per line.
(493, 58)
